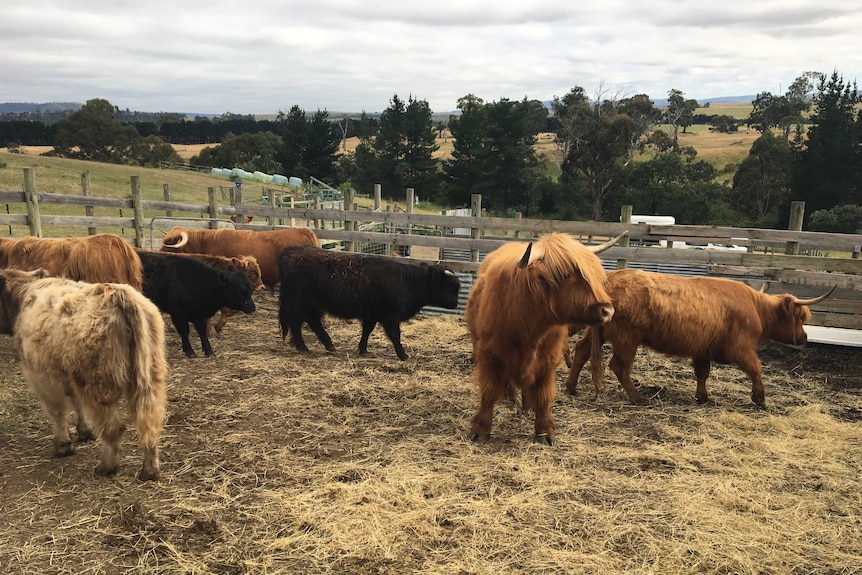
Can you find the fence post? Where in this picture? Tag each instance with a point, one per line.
(137, 212)
(797, 212)
(166, 188)
(213, 207)
(411, 199)
(518, 216)
(475, 232)
(625, 218)
(88, 210)
(348, 224)
(240, 217)
(33, 219)
(377, 197)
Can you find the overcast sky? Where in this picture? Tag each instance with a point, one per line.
(263, 56)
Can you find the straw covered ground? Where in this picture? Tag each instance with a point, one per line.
(276, 462)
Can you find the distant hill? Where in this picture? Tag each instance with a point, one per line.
(44, 108)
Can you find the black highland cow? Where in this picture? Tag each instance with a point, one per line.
(373, 289)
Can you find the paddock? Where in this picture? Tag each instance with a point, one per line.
(277, 462)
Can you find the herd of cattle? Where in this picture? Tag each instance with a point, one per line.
(86, 317)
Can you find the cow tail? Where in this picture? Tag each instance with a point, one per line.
(597, 367)
(148, 368)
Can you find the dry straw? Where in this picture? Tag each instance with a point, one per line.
(277, 462)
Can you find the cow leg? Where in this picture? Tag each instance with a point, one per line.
(83, 431)
(182, 327)
(296, 336)
(110, 427)
(367, 327)
(540, 396)
(56, 405)
(492, 380)
(316, 326)
(752, 367)
(701, 372)
(225, 313)
(393, 330)
(621, 364)
(580, 357)
(201, 328)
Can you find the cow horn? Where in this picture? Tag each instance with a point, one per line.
(608, 244)
(526, 258)
(183, 241)
(814, 300)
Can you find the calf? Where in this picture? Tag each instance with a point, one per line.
(89, 347)
(706, 319)
(191, 292)
(246, 264)
(374, 289)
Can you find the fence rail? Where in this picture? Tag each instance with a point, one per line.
(462, 241)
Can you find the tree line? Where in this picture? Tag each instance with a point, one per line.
(614, 150)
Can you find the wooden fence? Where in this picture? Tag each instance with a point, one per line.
(799, 262)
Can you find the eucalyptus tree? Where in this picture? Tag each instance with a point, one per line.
(598, 137)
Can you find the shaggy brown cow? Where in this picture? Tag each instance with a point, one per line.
(98, 258)
(518, 314)
(706, 319)
(264, 245)
(88, 347)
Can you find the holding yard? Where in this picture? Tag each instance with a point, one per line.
(278, 462)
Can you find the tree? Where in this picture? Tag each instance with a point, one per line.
(679, 112)
(400, 156)
(250, 152)
(724, 124)
(845, 219)
(770, 111)
(152, 150)
(674, 183)
(598, 138)
(761, 184)
(464, 171)
(828, 170)
(493, 153)
(92, 133)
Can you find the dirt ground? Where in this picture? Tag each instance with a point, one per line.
(278, 462)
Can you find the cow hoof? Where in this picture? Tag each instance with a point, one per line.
(640, 400)
(760, 401)
(104, 470)
(404, 357)
(84, 436)
(702, 400)
(148, 475)
(64, 449)
(477, 438)
(544, 439)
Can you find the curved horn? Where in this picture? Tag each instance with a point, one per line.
(814, 300)
(184, 239)
(526, 258)
(608, 244)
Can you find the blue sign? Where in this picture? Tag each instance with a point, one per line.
(238, 183)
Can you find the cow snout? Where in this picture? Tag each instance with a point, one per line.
(600, 313)
(606, 313)
(248, 307)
